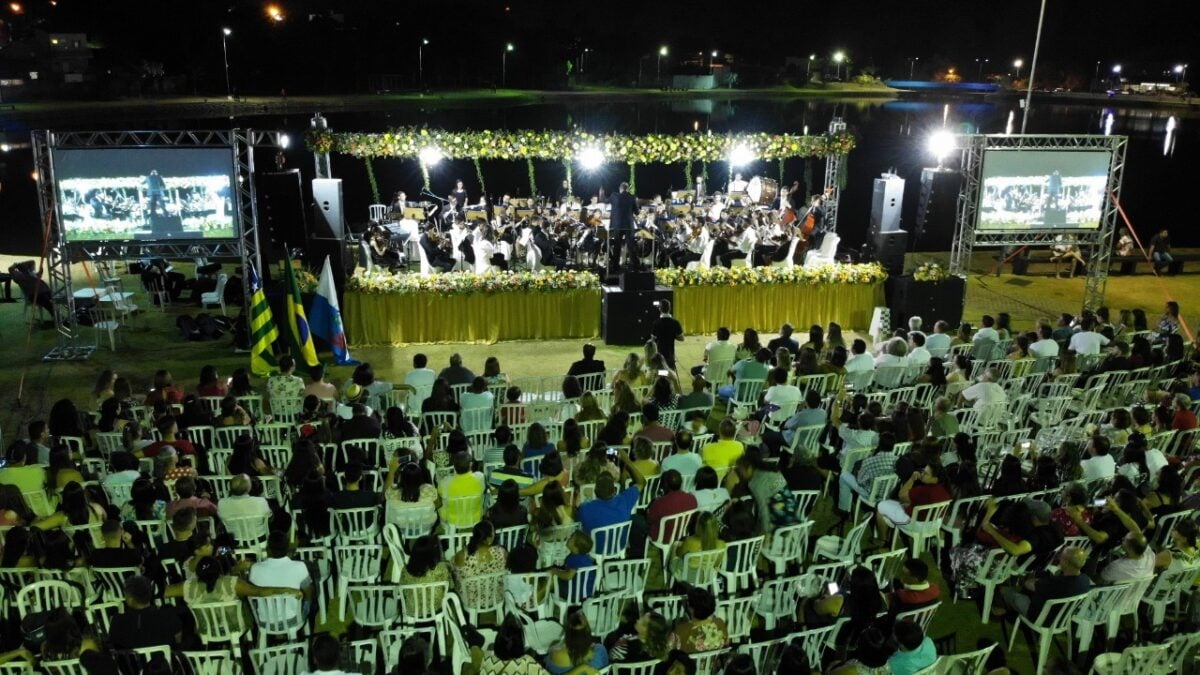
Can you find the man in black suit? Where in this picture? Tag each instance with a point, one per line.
(546, 248)
(588, 364)
(361, 425)
(784, 340)
(460, 196)
(623, 207)
(436, 257)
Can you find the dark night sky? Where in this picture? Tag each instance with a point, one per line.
(377, 36)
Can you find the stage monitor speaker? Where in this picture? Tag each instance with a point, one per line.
(937, 209)
(626, 316)
(281, 213)
(637, 281)
(329, 221)
(889, 248)
(886, 203)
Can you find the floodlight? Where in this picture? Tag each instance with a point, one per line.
(1117, 69)
(227, 31)
(284, 141)
(941, 143)
(1018, 63)
(1178, 69)
(741, 156)
(591, 158)
(662, 51)
(838, 57)
(430, 155)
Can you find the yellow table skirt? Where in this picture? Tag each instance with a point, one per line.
(704, 309)
(397, 319)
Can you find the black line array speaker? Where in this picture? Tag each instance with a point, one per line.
(626, 316)
(163, 225)
(937, 209)
(281, 213)
(889, 250)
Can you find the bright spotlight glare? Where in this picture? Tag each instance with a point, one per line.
(5, 147)
(430, 156)
(741, 156)
(1178, 69)
(591, 158)
(941, 143)
(284, 141)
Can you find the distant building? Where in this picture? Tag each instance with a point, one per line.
(46, 63)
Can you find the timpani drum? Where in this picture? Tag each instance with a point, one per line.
(762, 191)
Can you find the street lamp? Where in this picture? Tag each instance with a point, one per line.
(421, 62)
(1116, 69)
(662, 51)
(1018, 64)
(808, 71)
(979, 75)
(912, 66)
(1180, 72)
(712, 65)
(582, 58)
(225, 33)
(274, 13)
(838, 57)
(504, 64)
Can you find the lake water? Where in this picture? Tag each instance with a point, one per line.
(892, 135)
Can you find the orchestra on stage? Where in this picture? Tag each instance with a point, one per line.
(753, 220)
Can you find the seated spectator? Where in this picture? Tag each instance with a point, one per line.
(352, 495)
(508, 511)
(13, 509)
(1034, 591)
(240, 503)
(672, 501)
(724, 452)
(282, 571)
(651, 429)
(578, 648)
(1137, 560)
(985, 392)
(914, 649)
(610, 507)
(361, 425)
(478, 397)
(579, 549)
(425, 565)
(463, 484)
(881, 464)
(186, 489)
(709, 494)
(27, 476)
(123, 471)
(512, 469)
(411, 500)
(922, 488)
(508, 653)
(643, 452)
(74, 508)
(118, 549)
(699, 397)
(1097, 463)
(246, 458)
(706, 536)
(168, 429)
(913, 589)
(179, 545)
(701, 631)
(639, 637)
(143, 624)
(536, 442)
(319, 387)
(683, 460)
(589, 409)
(480, 558)
(167, 467)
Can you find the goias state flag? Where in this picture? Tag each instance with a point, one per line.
(327, 317)
(299, 334)
(263, 332)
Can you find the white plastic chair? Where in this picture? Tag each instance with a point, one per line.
(698, 568)
(423, 603)
(278, 615)
(248, 531)
(603, 612)
(356, 525)
(289, 659)
(220, 622)
(217, 295)
(216, 662)
(924, 524)
(996, 568)
(487, 595)
(43, 596)
(671, 530)
(575, 590)
(842, 549)
(745, 395)
(969, 663)
(358, 564)
(1054, 619)
(610, 541)
(885, 566)
(1136, 660)
(375, 605)
(1168, 589)
(625, 577)
(778, 599)
(738, 614)
(741, 563)
(921, 616)
(787, 544)
(880, 489)
(1105, 605)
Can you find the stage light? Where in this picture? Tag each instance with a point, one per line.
(741, 156)
(284, 141)
(1117, 69)
(227, 31)
(430, 156)
(941, 144)
(662, 51)
(591, 158)
(16, 7)
(5, 147)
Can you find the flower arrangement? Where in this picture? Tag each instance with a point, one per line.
(565, 145)
(306, 281)
(836, 273)
(930, 271)
(463, 283)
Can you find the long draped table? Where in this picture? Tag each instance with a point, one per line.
(406, 318)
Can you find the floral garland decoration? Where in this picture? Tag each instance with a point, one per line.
(462, 283)
(558, 145)
(371, 179)
(930, 271)
(479, 175)
(532, 178)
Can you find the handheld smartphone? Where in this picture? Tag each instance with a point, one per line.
(1025, 445)
(832, 587)
(1099, 503)
(612, 452)
(664, 373)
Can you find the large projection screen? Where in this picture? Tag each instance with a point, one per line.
(1042, 190)
(145, 194)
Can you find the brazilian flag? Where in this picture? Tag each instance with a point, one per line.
(299, 335)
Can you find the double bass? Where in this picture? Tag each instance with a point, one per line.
(807, 225)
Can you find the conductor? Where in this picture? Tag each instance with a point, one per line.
(623, 207)
(156, 189)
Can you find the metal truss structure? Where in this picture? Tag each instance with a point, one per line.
(833, 165)
(1095, 243)
(61, 252)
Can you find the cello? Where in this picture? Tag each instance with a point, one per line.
(808, 224)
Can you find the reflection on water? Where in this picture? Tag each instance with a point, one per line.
(892, 133)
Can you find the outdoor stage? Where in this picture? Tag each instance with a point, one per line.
(462, 307)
